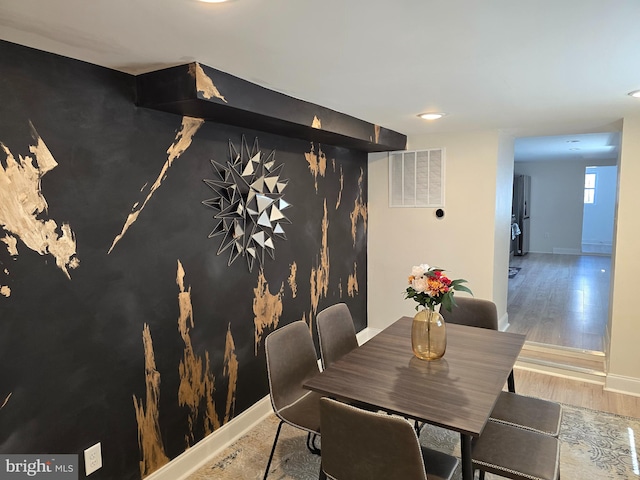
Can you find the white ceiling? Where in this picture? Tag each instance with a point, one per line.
(543, 67)
(599, 148)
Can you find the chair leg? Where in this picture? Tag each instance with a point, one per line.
(273, 449)
(481, 475)
(322, 475)
(511, 382)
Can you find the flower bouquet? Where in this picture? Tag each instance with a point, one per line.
(430, 287)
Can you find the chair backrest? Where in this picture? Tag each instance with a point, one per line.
(362, 445)
(291, 360)
(473, 312)
(476, 312)
(336, 333)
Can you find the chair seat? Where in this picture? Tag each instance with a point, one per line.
(440, 466)
(304, 413)
(529, 413)
(512, 452)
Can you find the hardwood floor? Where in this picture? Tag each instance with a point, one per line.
(560, 300)
(575, 392)
(563, 301)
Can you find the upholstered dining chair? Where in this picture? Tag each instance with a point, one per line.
(337, 337)
(361, 445)
(336, 333)
(530, 413)
(513, 452)
(476, 312)
(291, 360)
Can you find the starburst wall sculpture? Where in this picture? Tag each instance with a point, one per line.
(249, 200)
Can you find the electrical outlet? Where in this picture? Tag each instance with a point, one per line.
(92, 459)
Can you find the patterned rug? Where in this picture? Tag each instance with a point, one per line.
(594, 445)
(513, 271)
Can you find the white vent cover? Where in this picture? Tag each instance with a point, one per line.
(416, 178)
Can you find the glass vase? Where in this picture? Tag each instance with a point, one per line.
(428, 335)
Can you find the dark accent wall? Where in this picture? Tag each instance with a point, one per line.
(120, 323)
(198, 90)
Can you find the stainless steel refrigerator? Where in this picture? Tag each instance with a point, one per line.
(520, 209)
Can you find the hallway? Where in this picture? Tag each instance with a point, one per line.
(560, 300)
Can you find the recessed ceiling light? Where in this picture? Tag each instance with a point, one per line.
(635, 93)
(573, 141)
(213, 1)
(431, 115)
(574, 149)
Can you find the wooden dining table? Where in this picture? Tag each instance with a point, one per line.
(457, 392)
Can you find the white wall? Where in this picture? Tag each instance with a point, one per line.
(557, 199)
(555, 205)
(465, 241)
(468, 242)
(624, 351)
(502, 233)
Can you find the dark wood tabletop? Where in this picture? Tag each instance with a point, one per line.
(457, 392)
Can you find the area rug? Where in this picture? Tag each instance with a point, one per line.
(513, 271)
(594, 445)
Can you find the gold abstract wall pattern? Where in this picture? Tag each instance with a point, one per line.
(197, 383)
(182, 141)
(5, 290)
(293, 270)
(352, 282)
(6, 400)
(341, 188)
(22, 202)
(147, 413)
(319, 280)
(317, 163)
(267, 308)
(204, 84)
(359, 210)
(317, 123)
(231, 372)
(12, 244)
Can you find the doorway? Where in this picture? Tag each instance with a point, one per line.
(559, 297)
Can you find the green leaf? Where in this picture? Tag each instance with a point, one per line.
(462, 288)
(447, 302)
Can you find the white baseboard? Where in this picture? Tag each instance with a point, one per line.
(566, 251)
(503, 323)
(198, 455)
(622, 384)
(559, 372)
(367, 334)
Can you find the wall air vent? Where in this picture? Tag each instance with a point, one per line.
(416, 178)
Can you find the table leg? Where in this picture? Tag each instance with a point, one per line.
(465, 454)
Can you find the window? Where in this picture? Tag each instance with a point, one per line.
(589, 187)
